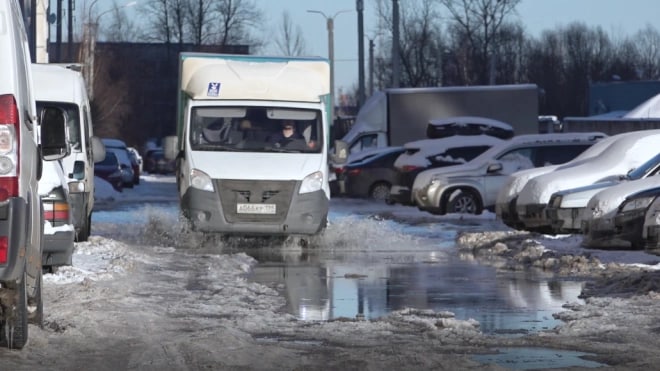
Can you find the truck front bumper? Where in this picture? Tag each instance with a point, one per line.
(295, 214)
(13, 226)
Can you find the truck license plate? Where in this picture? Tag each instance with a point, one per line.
(256, 208)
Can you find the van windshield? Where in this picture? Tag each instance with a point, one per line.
(73, 121)
(256, 129)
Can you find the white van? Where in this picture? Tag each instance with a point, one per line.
(21, 218)
(63, 87)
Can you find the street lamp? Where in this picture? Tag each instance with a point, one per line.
(89, 36)
(331, 53)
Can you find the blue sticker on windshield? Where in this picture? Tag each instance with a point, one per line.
(214, 89)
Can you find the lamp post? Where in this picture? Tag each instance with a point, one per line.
(331, 53)
(89, 35)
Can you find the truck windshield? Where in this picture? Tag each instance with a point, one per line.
(256, 129)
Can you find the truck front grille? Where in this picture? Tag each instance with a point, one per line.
(233, 192)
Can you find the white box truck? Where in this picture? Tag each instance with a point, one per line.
(251, 145)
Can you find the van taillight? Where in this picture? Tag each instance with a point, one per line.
(9, 147)
(4, 246)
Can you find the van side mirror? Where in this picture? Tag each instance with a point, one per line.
(54, 133)
(171, 147)
(78, 170)
(98, 149)
(340, 155)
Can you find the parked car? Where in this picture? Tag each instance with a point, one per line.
(598, 229)
(337, 174)
(636, 220)
(427, 154)
(473, 187)
(567, 209)
(59, 232)
(118, 147)
(626, 151)
(505, 206)
(468, 125)
(156, 163)
(136, 164)
(372, 177)
(110, 170)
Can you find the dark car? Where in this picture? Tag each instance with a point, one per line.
(631, 216)
(371, 177)
(426, 154)
(123, 156)
(110, 170)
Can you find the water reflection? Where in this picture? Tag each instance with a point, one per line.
(511, 302)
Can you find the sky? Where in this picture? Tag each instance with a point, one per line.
(615, 16)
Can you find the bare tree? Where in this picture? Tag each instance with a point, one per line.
(476, 23)
(647, 41)
(199, 16)
(121, 28)
(235, 21)
(290, 40)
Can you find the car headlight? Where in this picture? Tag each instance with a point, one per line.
(636, 203)
(597, 212)
(437, 179)
(555, 201)
(312, 183)
(200, 180)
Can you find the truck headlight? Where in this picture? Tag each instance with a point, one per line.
(200, 180)
(312, 183)
(636, 203)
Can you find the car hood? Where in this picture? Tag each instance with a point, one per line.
(605, 202)
(469, 169)
(580, 196)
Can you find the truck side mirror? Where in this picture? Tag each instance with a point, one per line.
(98, 149)
(340, 156)
(54, 133)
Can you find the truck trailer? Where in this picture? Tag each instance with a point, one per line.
(393, 117)
(239, 172)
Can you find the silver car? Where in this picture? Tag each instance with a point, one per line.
(474, 186)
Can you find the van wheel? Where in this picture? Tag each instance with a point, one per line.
(464, 202)
(380, 191)
(14, 333)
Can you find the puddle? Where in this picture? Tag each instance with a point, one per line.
(351, 286)
(536, 358)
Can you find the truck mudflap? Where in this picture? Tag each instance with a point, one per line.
(256, 208)
(13, 225)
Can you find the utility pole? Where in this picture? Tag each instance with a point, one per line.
(396, 61)
(359, 5)
(69, 49)
(371, 67)
(58, 33)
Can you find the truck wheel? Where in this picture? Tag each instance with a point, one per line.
(380, 191)
(14, 333)
(36, 304)
(464, 202)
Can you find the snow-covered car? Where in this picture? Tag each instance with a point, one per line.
(505, 205)
(568, 208)
(59, 232)
(468, 125)
(598, 229)
(473, 187)
(626, 152)
(636, 220)
(427, 154)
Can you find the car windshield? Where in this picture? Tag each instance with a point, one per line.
(256, 129)
(648, 168)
